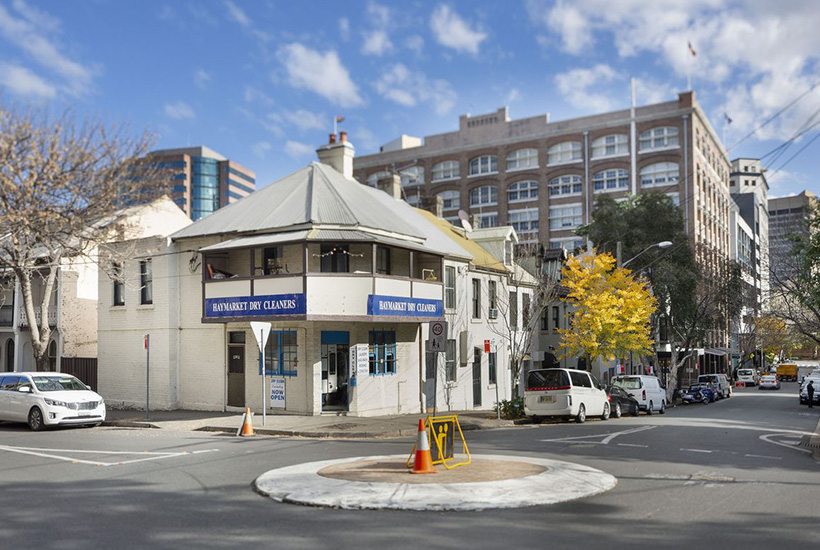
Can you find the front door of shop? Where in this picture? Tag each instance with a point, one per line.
(477, 377)
(335, 370)
(236, 370)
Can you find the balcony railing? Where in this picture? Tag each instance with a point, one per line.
(52, 317)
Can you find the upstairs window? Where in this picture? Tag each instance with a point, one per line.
(484, 196)
(610, 180)
(334, 258)
(447, 170)
(449, 287)
(373, 179)
(568, 151)
(522, 158)
(658, 138)
(476, 299)
(610, 146)
(146, 282)
(565, 217)
(412, 176)
(522, 191)
(487, 164)
(119, 284)
(450, 200)
(564, 186)
(661, 173)
(525, 223)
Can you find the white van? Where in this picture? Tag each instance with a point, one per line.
(747, 376)
(647, 390)
(566, 393)
(721, 382)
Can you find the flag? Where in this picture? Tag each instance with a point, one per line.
(727, 118)
(692, 50)
(340, 119)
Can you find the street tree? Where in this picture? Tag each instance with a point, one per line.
(62, 184)
(612, 309)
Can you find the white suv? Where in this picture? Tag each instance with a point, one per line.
(567, 393)
(747, 376)
(647, 390)
(47, 399)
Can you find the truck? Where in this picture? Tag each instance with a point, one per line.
(787, 372)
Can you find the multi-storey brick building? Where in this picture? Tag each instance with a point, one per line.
(204, 180)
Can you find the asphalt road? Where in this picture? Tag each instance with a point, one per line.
(703, 476)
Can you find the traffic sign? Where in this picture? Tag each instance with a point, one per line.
(437, 338)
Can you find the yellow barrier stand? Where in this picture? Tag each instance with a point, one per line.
(442, 432)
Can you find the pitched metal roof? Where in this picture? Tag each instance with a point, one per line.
(314, 195)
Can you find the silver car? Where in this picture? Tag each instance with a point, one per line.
(43, 399)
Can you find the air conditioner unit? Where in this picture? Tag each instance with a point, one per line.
(493, 313)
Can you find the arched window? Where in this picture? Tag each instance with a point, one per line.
(610, 180)
(451, 200)
(522, 191)
(10, 355)
(447, 170)
(563, 186)
(568, 151)
(412, 176)
(484, 196)
(660, 173)
(610, 146)
(487, 164)
(522, 158)
(665, 137)
(373, 179)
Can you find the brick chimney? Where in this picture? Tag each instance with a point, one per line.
(391, 185)
(338, 154)
(434, 204)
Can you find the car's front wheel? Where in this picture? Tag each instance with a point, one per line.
(35, 419)
(616, 410)
(581, 417)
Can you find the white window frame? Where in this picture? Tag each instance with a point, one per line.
(564, 241)
(618, 175)
(660, 174)
(530, 191)
(490, 217)
(675, 198)
(657, 139)
(450, 195)
(482, 170)
(373, 179)
(573, 181)
(558, 214)
(522, 159)
(613, 145)
(566, 151)
(446, 170)
(525, 223)
(413, 175)
(479, 192)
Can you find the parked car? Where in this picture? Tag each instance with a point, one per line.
(565, 393)
(44, 399)
(769, 382)
(804, 395)
(719, 381)
(621, 402)
(747, 376)
(647, 390)
(699, 393)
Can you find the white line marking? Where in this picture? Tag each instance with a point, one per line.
(696, 450)
(34, 451)
(607, 437)
(632, 445)
(764, 456)
(787, 445)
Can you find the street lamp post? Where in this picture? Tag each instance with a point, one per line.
(662, 244)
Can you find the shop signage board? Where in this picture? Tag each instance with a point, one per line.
(277, 393)
(402, 306)
(256, 306)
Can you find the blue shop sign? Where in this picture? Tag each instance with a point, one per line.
(256, 306)
(399, 306)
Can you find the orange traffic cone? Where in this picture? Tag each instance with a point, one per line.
(247, 423)
(423, 463)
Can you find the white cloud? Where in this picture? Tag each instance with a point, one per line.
(255, 95)
(297, 150)
(261, 149)
(202, 79)
(512, 96)
(321, 73)
(34, 34)
(305, 120)
(21, 81)
(237, 14)
(415, 44)
(452, 31)
(376, 43)
(399, 85)
(344, 29)
(179, 110)
(574, 85)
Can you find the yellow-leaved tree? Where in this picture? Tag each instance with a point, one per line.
(612, 309)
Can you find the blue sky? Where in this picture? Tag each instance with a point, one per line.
(260, 81)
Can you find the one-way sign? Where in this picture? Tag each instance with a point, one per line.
(437, 338)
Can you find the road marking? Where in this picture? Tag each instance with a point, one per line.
(49, 453)
(632, 445)
(764, 456)
(788, 443)
(607, 437)
(696, 450)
